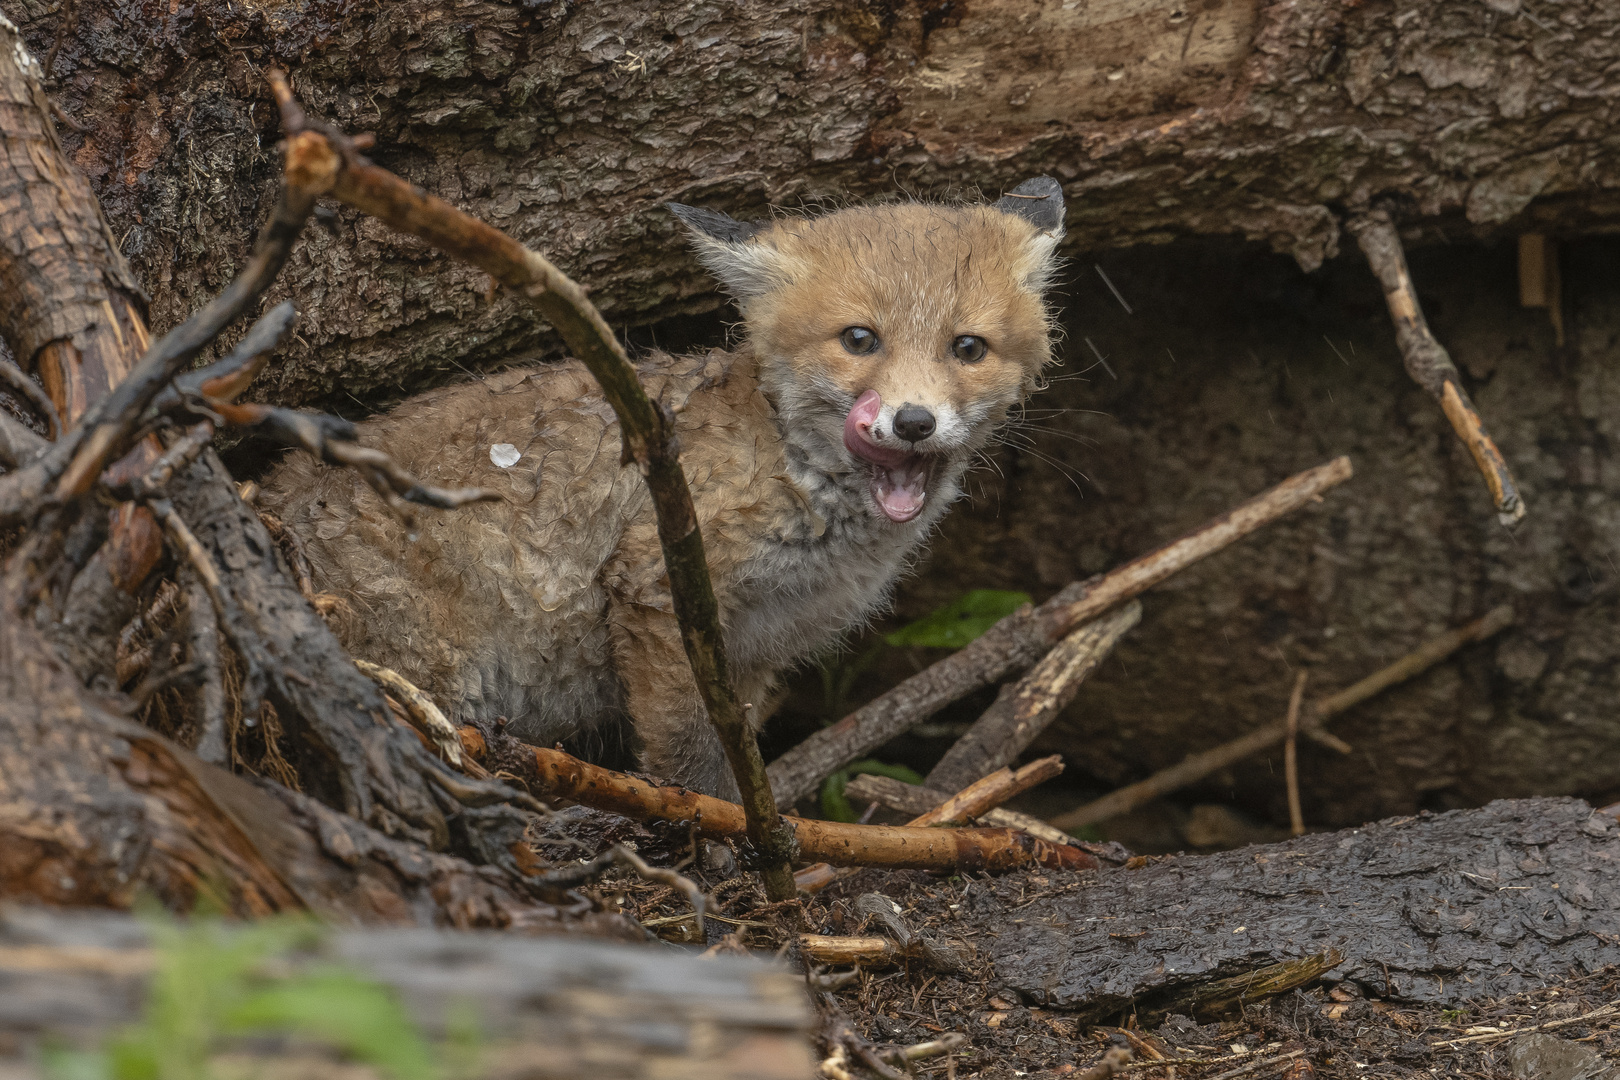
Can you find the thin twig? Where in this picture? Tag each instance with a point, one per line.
(423, 713)
(1601, 1013)
(1427, 360)
(1198, 766)
(664, 877)
(971, 802)
(1296, 816)
(915, 799)
(1023, 637)
(16, 378)
(647, 430)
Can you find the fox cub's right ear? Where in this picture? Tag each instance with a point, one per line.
(727, 247)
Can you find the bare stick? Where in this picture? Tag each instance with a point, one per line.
(19, 444)
(916, 799)
(16, 378)
(1296, 816)
(1198, 766)
(971, 802)
(202, 632)
(553, 773)
(1024, 708)
(422, 712)
(647, 431)
(1427, 360)
(1023, 637)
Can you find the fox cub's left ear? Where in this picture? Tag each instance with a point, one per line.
(727, 247)
(1038, 201)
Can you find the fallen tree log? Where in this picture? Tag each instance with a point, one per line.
(575, 122)
(1435, 908)
(546, 1009)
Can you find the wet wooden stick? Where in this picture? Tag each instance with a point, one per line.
(1024, 708)
(1026, 635)
(971, 802)
(1296, 815)
(1198, 766)
(1427, 360)
(555, 774)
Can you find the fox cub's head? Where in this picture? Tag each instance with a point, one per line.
(903, 333)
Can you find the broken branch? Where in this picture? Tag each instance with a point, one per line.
(647, 429)
(1023, 637)
(971, 802)
(1024, 708)
(553, 773)
(1198, 766)
(424, 715)
(915, 799)
(1428, 362)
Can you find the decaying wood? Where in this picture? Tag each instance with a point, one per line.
(1438, 908)
(554, 774)
(1023, 637)
(1198, 766)
(423, 713)
(973, 801)
(1024, 708)
(547, 1008)
(1428, 362)
(647, 431)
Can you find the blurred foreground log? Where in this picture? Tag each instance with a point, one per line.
(546, 1009)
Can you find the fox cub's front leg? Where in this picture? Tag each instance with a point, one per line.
(661, 697)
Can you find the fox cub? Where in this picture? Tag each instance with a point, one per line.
(883, 346)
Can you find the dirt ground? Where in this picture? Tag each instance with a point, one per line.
(1320, 1029)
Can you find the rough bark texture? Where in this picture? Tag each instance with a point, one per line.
(1444, 908)
(567, 125)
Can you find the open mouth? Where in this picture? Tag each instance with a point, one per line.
(899, 478)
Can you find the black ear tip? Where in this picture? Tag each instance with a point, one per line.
(712, 223)
(1038, 200)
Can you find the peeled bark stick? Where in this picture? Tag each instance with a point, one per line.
(1026, 635)
(1024, 709)
(647, 430)
(1427, 360)
(848, 951)
(1296, 815)
(916, 799)
(555, 774)
(1198, 766)
(971, 802)
(423, 713)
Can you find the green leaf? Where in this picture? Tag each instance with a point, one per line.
(355, 1015)
(960, 621)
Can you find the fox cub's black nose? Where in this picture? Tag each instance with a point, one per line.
(913, 423)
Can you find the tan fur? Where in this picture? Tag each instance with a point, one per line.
(550, 607)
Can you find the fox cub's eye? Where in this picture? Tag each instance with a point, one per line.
(969, 348)
(858, 340)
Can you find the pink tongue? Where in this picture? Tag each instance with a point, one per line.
(902, 479)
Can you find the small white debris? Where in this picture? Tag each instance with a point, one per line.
(504, 455)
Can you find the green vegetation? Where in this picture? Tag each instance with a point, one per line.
(216, 981)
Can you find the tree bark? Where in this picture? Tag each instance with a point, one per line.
(573, 123)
